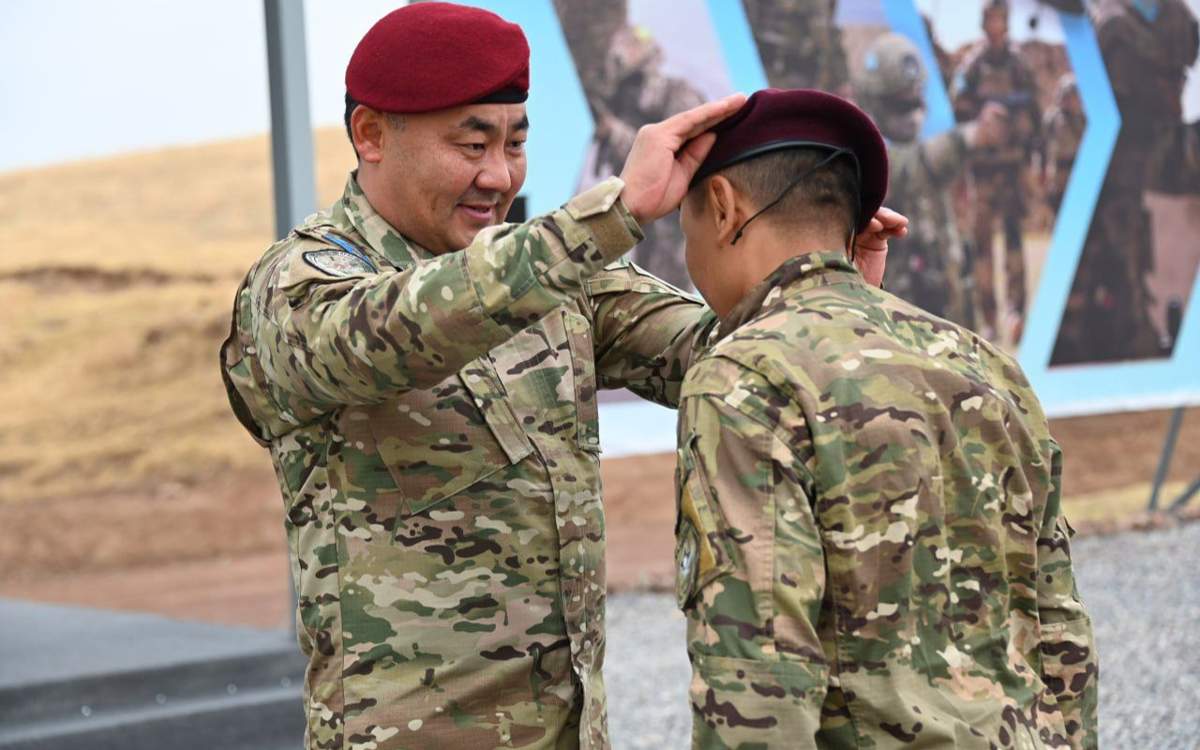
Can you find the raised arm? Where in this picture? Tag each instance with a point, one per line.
(335, 330)
(646, 331)
(348, 333)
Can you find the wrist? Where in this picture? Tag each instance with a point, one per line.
(631, 208)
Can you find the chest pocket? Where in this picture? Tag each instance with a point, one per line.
(549, 375)
(439, 441)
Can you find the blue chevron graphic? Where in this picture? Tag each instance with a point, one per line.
(1085, 389)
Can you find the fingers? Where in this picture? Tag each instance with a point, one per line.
(889, 220)
(691, 123)
(691, 156)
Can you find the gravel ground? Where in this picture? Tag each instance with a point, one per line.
(1143, 592)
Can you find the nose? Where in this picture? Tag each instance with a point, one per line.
(493, 174)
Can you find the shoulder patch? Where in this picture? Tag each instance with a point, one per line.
(340, 263)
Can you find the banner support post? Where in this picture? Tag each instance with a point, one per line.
(1164, 465)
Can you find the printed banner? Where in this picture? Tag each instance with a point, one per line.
(1047, 155)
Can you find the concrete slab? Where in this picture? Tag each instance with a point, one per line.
(49, 643)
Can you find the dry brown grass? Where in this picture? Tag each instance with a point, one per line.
(116, 282)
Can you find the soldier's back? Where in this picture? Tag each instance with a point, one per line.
(931, 470)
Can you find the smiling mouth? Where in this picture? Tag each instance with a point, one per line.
(480, 212)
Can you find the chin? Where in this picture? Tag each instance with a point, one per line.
(465, 237)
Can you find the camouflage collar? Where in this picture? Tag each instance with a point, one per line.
(796, 274)
(375, 230)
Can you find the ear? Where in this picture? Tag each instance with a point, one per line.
(367, 127)
(725, 209)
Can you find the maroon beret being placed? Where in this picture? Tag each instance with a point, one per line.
(774, 119)
(430, 56)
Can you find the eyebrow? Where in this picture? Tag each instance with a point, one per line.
(483, 126)
(475, 123)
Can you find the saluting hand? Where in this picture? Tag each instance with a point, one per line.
(666, 155)
(871, 244)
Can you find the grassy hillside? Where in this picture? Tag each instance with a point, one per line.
(116, 281)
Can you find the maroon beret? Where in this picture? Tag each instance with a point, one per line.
(774, 119)
(429, 56)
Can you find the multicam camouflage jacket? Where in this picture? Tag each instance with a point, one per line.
(433, 425)
(871, 550)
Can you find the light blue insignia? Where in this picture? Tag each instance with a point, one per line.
(339, 263)
(348, 247)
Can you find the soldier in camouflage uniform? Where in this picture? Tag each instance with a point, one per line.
(1147, 46)
(428, 398)
(429, 402)
(994, 72)
(799, 43)
(871, 546)
(620, 67)
(1063, 130)
(891, 88)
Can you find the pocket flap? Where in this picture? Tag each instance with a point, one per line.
(491, 399)
(439, 441)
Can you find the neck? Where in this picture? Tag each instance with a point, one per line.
(758, 254)
(374, 189)
(383, 200)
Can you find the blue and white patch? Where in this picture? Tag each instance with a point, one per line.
(339, 263)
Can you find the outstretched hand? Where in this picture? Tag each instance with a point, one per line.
(666, 155)
(871, 244)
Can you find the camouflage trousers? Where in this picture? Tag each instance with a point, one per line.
(998, 195)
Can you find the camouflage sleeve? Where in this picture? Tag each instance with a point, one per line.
(1070, 668)
(646, 332)
(750, 567)
(945, 154)
(358, 337)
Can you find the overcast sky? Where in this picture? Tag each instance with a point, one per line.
(82, 78)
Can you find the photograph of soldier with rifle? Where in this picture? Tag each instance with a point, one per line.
(1008, 59)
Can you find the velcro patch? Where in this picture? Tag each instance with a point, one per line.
(339, 263)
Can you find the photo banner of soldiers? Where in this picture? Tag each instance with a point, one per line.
(1047, 155)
